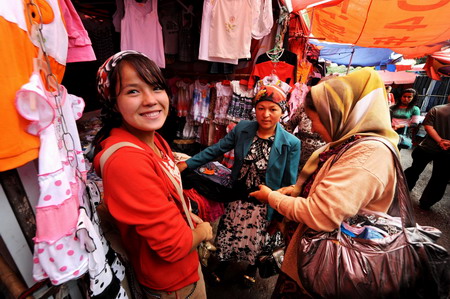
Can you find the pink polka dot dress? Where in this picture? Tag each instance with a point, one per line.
(58, 253)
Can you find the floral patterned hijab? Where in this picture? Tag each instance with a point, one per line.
(350, 105)
(271, 93)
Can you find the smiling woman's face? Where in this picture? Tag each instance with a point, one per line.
(144, 108)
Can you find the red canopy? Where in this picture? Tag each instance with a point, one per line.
(438, 64)
(297, 5)
(401, 77)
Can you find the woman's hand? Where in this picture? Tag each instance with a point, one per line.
(196, 219)
(287, 190)
(396, 127)
(205, 231)
(182, 166)
(262, 195)
(444, 144)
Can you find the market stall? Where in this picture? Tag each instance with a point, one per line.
(213, 73)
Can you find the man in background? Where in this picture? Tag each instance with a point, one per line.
(435, 147)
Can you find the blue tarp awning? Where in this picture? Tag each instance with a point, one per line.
(342, 53)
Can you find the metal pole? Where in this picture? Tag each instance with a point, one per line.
(350, 62)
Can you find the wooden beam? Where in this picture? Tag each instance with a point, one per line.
(18, 200)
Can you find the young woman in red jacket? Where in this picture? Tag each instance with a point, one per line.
(137, 191)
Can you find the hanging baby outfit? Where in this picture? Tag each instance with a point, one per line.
(17, 50)
(224, 93)
(67, 244)
(58, 254)
(200, 101)
(184, 98)
(241, 102)
(283, 67)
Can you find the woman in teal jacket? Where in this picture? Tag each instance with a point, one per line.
(264, 153)
(283, 157)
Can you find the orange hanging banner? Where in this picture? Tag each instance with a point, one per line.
(409, 27)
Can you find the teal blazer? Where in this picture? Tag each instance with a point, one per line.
(283, 161)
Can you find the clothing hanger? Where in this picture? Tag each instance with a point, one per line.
(41, 64)
(275, 57)
(276, 48)
(277, 51)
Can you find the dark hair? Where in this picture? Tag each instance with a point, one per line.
(411, 104)
(147, 70)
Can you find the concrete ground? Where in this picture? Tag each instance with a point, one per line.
(437, 217)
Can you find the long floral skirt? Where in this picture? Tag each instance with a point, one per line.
(242, 232)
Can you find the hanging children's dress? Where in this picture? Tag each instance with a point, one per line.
(58, 254)
(141, 30)
(17, 50)
(200, 101)
(224, 93)
(67, 243)
(241, 102)
(184, 98)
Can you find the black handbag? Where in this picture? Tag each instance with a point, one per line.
(269, 264)
(272, 256)
(212, 190)
(406, 264)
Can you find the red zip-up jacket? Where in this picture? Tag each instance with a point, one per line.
(148, 213)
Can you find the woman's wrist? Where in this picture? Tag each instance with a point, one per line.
(182, 165)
